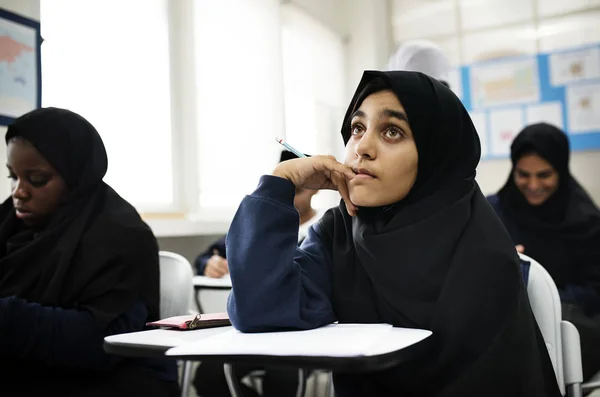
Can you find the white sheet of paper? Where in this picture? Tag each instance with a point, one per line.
(583, 104)
(335, 340)
(551, 113)
(164, 337)
(506, 82)
(204, 281)
(505, 124)
(570, 66)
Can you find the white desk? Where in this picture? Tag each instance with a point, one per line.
(154, 343)
(203, 282)
(209, 283)
(336, 347)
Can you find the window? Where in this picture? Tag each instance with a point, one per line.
(239, 98)
(313, 81)
(108, 60)
(270, 71)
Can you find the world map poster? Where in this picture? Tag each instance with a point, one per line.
(19, 66)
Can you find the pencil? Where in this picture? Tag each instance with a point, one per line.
(288, 147)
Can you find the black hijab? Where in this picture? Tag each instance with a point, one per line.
(563, 233)
(439, 259)
(95, 253)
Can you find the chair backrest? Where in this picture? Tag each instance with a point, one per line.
(176, 286)
(545, 304)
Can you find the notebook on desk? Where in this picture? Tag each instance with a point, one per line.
(193, 321)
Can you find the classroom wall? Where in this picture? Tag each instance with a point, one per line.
(365, 26)
(27, 8)
(368, 37)
(471, 31)
(329, 12)
(188, 246)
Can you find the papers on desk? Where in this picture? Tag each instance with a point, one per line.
(210, 282)
(335, 340)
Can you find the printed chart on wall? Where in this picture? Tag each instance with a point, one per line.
(20, 75)
(505, 95)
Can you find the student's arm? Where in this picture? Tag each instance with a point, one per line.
(585, 291)
(276, 284)
(200, 263)
(202, 259)
(60, 337)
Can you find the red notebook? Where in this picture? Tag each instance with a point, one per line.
(194, 321)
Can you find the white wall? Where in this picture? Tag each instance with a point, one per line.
(365, 24)
(369, 38)
(328, 12)
(27, 8)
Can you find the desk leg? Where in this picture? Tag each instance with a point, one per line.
(186, 378)
(301, 383)
(574, 390)
(330, 391)
(197, 297)
(232, 382)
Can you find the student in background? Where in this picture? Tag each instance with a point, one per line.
(213, 261)
(421, 56)
(552, 219)
(414, 244)
(77, 263)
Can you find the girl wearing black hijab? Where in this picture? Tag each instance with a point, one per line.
(552, 219)
(77, 263)
(413, 243)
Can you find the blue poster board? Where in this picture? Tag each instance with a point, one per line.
(505, 95)
(20, 66)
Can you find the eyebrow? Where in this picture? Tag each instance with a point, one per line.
(31, 170)
(542, 172)
(385, 113)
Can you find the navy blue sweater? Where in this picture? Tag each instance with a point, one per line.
(570, 293)
(294, 283)
(53, 337)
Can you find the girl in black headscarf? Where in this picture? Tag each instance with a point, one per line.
(77, 263)
(552, 219)
(413, 244)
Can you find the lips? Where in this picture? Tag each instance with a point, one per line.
(535, 194)
(363, 171)
(22, 212)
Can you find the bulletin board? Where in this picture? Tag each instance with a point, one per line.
(505, 95)
(20, 66)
